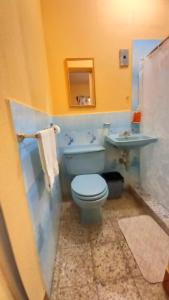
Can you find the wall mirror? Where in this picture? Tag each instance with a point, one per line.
(80, 81)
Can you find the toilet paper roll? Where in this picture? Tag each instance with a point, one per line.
(56, 128)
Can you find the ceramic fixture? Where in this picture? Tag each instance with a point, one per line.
(89, 190)
(129, 141)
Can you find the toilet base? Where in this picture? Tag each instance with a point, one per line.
(91, 215)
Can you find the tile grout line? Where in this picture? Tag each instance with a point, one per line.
(94, 270)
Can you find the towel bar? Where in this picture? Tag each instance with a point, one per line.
(22, 136)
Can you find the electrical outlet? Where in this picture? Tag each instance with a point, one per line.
(124, 57)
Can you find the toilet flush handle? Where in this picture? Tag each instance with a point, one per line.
(106, 125)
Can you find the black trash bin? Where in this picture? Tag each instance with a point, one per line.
(115, 182)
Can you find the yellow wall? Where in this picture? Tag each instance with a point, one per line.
(23, 53)
(23, 76)
(7, 263)
(5, 293)
(99, 28)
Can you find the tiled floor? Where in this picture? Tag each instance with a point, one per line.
(94, 262)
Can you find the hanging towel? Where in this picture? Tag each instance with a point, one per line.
(48, 156)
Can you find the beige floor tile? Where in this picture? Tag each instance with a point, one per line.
(76, 266)
(105, 233)
(125, 201)
(109, 262)
(135, 271)
(123, 207)
(88, 292)
(130, 212)
(72, 233)
(109, 213)
(121, 290)
(150, 291)
(115, 225)
(70, 211)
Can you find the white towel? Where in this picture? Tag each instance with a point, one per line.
(48, 156)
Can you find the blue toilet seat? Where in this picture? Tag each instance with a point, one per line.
(89, 187)
(91, 198)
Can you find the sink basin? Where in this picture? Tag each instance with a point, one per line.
(131, 141)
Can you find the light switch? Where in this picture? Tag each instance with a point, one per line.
(124, 57)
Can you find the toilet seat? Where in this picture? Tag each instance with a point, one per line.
(91, 198)
(96, 204)
(88, 187)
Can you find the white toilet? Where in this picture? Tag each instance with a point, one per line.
(89, 190)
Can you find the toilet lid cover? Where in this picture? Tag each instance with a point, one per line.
(88, 185)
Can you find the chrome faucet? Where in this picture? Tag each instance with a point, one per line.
(126, 133)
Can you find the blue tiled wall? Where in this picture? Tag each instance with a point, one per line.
(44, 206)
(89, 129)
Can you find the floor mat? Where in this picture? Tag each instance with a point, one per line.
(149, 245)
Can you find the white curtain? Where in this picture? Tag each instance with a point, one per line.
(155, 122)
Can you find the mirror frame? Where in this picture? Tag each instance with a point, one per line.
(79, 69)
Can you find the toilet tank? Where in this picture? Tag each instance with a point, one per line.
(85, 159)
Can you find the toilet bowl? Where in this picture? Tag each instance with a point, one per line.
(89, 192)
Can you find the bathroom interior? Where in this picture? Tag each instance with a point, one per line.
(84, 151)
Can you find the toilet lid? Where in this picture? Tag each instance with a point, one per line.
(88, 185)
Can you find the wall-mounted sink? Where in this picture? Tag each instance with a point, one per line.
(130, 141)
